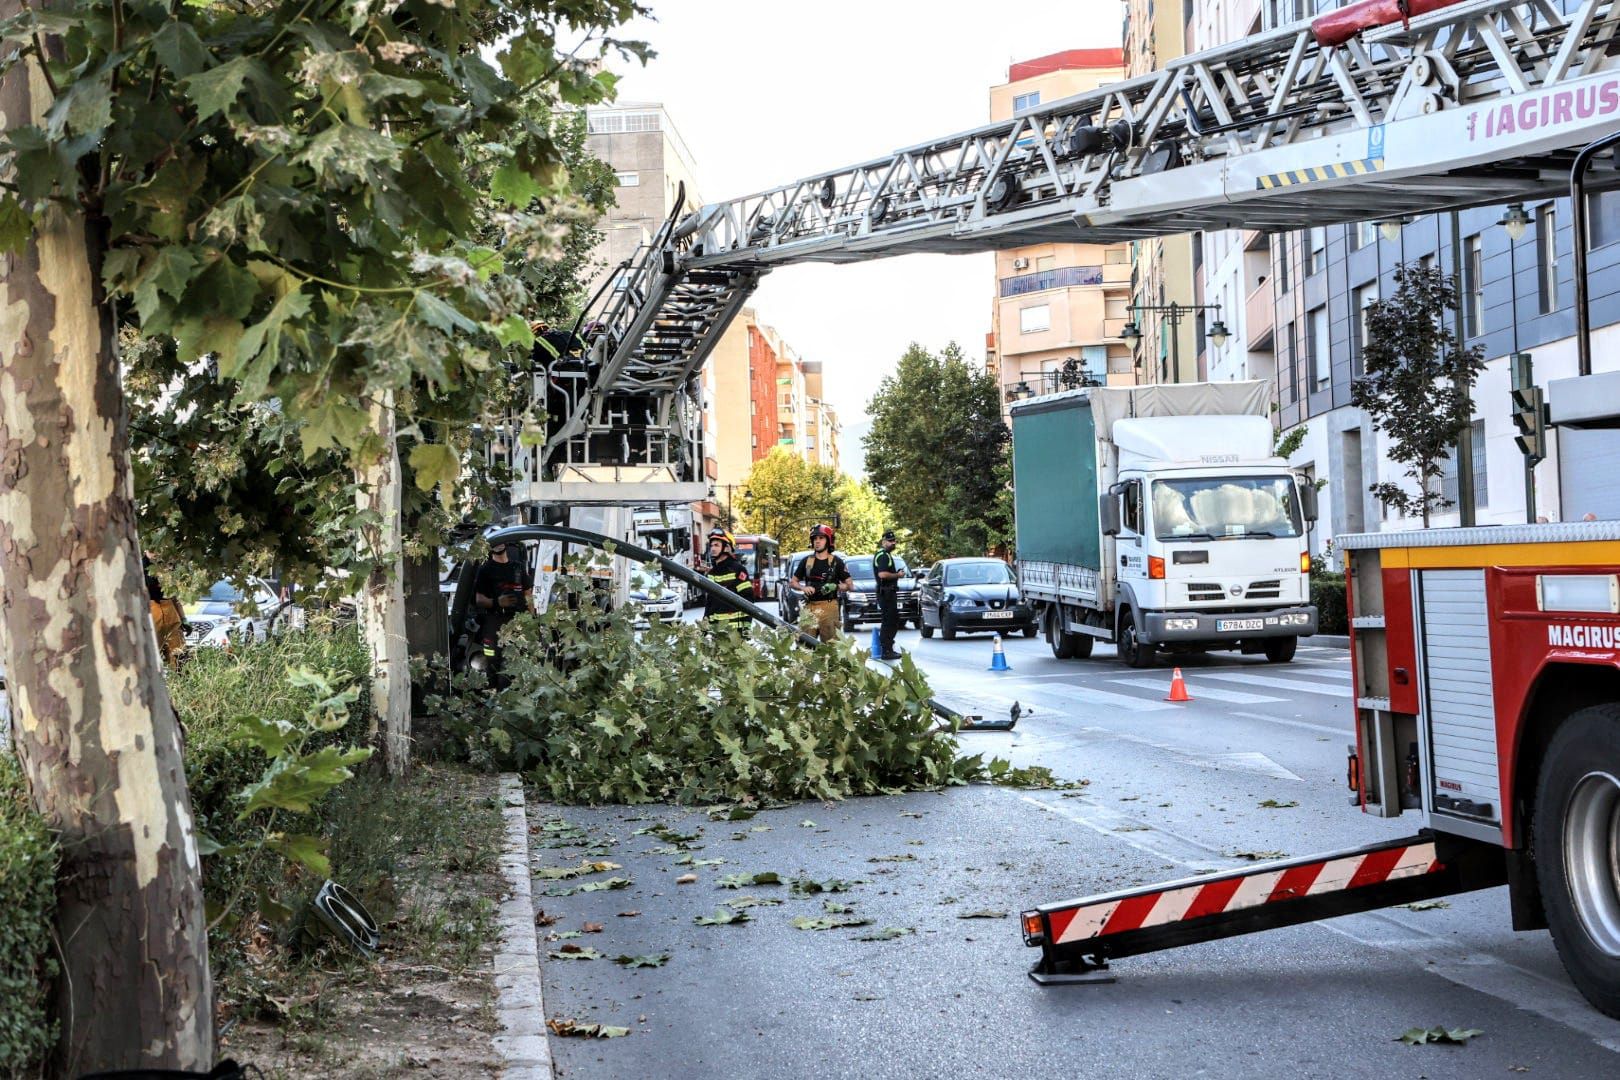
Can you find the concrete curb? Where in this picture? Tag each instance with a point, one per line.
(522, 1045)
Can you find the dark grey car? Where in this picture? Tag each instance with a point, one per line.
(973, 595)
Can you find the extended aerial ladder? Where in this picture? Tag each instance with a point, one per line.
(1356, 116)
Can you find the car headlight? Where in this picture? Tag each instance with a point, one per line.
(1181, 624)
(1298, 618)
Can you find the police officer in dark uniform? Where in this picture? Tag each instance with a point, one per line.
(887, 572)
(727, 570)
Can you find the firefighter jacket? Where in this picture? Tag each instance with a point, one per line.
(730, 572)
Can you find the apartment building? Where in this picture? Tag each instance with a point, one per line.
(1169, 345)
(1302, 324)
(651, 168)
(821, 420)
(1059, 308)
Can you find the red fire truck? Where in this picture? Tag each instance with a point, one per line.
(1486, 666)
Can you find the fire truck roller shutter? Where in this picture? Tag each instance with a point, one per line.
(1466, 782)
(1589, 473)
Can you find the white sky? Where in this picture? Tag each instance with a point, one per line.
(766, 91)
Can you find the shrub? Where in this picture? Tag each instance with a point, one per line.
(1332, 612)
(224, 698)
(596, 712)
(28, 899)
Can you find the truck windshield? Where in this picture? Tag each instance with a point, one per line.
(1225, 508)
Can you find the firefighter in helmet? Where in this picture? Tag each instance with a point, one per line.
(820, 577)
(727, 570)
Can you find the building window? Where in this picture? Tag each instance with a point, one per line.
(1473, 287)
(1026, 101)
(1448, 469)
(1602, 218)
(1364, 234)
(1321, 356)
(1316, 257)
(1032, 320)
(1281, 259)
(1293, 367)
(627, 179)
(1045, 263)
(1547, 257)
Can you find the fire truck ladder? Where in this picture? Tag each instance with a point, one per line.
(1077, 938)
(1474, 103)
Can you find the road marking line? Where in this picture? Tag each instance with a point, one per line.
(1347, 731)
(1243, 761)
(1235, 697)
(1280, 684)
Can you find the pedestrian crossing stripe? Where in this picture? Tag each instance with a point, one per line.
(1338, 170)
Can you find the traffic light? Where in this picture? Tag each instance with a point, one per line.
(1530, 417)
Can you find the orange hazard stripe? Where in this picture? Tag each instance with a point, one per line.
(1467, 556)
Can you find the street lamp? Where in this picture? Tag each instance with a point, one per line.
(1023, 391)
(1391, 227)
(1515, 221)
(1173, 313)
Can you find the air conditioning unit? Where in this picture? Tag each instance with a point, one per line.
(1020, 263)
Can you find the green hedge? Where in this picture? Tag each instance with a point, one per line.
(1332, 613)
(28, 900)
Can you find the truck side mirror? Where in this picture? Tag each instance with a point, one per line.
(1307, 500)
(1108, 514)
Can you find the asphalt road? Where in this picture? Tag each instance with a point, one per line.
(1173, 789)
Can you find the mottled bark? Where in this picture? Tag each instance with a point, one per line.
(382, 600)
(94, 727)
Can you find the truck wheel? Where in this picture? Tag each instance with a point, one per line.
(1280, 650)
(927, 631)
(1576, 832)
(1029, 631)
(1133, 651)
(1082, 645)
(1061, 643)
(946, 630)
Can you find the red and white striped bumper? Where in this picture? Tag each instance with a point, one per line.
(1078, 921)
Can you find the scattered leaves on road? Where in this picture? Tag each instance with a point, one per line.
(574, 952)
(809, 887)
(586, 1031)
(888, 933)
(907, 857)
(667, 834)
(1257, 856)
(628, 914)
(655, 960)
(688, 860)
(732, 813)
(742, 881)
(557, 873)
(1454, 1036)
(833, 907)
(753, 901)
(686, 879)
(1000, 771)
(542, 919)
(1425, 905)
(721, 917)
(607, 883)
(909, 813)
(1273, 804)
(983, 913)
(559, 833)
(807, 824)
(593, 928)
(805, 922)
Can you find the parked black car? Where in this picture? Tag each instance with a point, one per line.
(860, 603)
(969, 595)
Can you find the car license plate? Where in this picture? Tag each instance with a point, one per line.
(998, 615)
(1239, 624)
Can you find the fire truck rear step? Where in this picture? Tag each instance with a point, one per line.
(1077, 938)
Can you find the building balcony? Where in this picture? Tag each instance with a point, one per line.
(1255, 240)
(1116, 273)
(1260, 318)
(1062, 277)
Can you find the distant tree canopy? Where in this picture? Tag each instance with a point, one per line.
(785, 495)
(938, 454)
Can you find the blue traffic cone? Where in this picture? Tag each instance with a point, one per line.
(877, 647)
(998, 659)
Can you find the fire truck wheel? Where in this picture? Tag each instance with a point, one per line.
(1280, 650)
(1576, 832)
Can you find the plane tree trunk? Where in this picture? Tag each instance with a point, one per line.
(95, 731)
(382, 597)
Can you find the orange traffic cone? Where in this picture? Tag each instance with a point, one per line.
(1178, 688)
